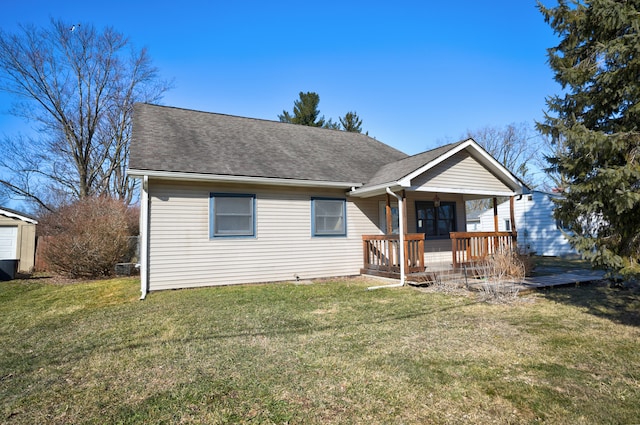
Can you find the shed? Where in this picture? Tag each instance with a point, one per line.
(18, 238)
(538, 229)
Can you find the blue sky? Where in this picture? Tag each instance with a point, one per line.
(419, 73)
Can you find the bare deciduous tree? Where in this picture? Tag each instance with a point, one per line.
(512, 146)
(77, 86)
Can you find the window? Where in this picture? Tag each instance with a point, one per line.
(328, 217)
(232, 215)
(436, 222)
(507, 224)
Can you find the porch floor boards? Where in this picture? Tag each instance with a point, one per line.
(457, 277)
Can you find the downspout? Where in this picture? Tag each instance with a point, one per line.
(401, 247)
(144, 238)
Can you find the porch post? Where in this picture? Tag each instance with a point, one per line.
(402, 231)
(404, 212)
(513, 214)
(495, 214)
(389, 218)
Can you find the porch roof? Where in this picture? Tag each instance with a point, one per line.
(402, 174)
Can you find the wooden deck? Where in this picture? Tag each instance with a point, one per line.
(381, 254)
(458, 277)
(563, 279)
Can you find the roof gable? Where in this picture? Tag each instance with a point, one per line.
(415, 171)
(461, 173)
(186, 141)
(398, 170)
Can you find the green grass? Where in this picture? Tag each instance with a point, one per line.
(327, 353)
(551, 265)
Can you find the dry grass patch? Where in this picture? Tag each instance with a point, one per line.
(331, 353)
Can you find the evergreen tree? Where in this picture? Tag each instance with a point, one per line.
(332, 125)
(597, 117)
(305, 111)
(351, 122)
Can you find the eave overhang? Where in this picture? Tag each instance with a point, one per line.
(11, 214)
(366, 192)
(222, 178)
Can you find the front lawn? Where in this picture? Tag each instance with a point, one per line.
(326, 353)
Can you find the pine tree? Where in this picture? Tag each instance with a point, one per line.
(597, 118)
(305, 111)
(351, 122)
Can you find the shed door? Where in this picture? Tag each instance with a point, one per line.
(8, 243)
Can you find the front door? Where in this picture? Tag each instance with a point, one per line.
(425, 215)
(435, 222)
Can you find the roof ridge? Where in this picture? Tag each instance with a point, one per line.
(449, 145)
(252, 118)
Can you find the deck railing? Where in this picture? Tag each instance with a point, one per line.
(381, 253)
(470, 247)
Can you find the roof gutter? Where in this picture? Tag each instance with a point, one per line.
(177, 175)
(364, 192)
(144, 237)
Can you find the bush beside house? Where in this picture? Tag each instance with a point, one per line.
(86, 239)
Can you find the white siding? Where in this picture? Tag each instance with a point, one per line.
(535, 224)
(8, 242)
(181, 254)
(461, 171)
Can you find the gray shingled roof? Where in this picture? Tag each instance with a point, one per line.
(179, 140)
(396, 170)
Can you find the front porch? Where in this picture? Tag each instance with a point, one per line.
(422, 203)
(381, 253)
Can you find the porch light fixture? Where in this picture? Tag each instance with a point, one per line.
(436, 201)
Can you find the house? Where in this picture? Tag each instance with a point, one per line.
(17, 238)
(473, 221)
(538, 230)
(228, 200)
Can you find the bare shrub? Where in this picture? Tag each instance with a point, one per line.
(527, 261)
(87, 238)
(501, 274)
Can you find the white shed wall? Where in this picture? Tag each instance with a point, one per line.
(535, 224)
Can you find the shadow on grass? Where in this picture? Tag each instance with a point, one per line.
(279, 327)
(620, 305)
